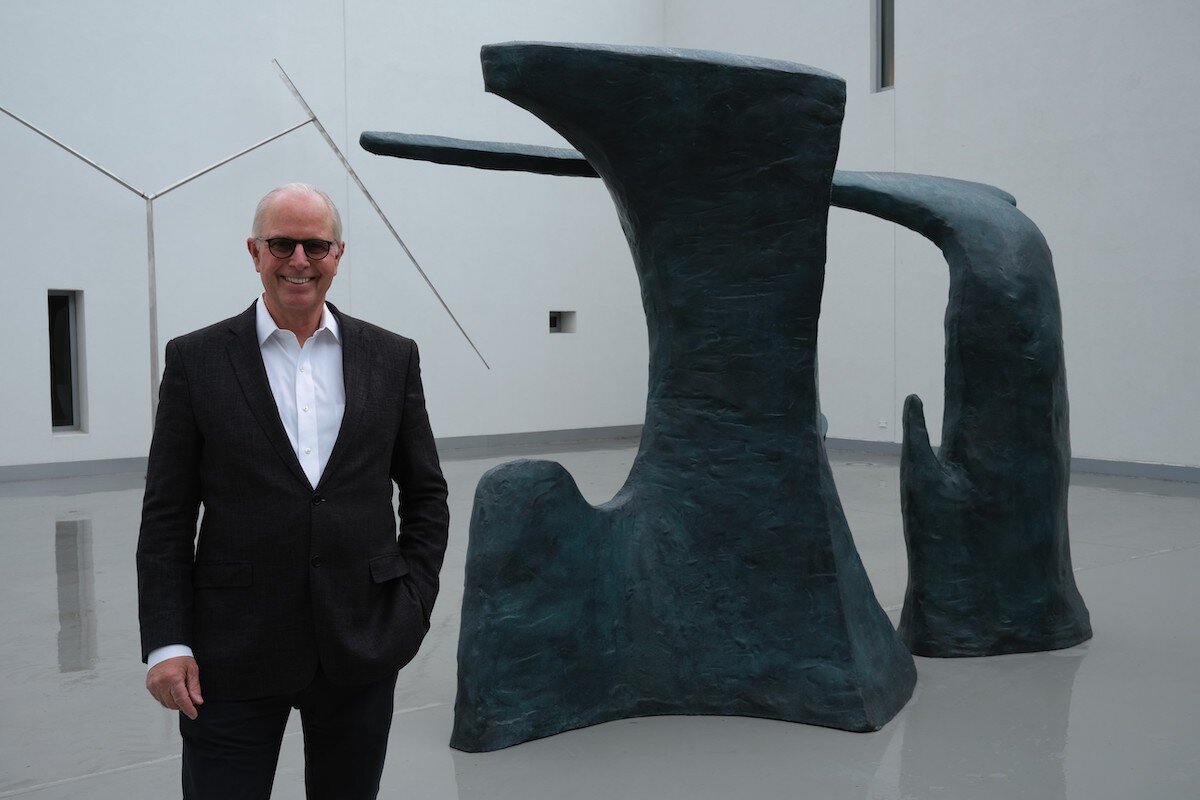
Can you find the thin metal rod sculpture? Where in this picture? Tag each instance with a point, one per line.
(370, 199)
(150, 197)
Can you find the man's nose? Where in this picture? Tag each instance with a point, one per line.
(298, 257)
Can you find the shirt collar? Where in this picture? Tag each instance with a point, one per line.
(266, 327)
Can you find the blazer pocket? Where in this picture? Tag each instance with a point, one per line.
(387, 568)
(222, 574)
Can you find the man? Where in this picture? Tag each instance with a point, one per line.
(288, 424)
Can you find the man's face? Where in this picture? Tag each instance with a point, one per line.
(295, 286)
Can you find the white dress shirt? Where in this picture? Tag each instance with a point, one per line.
(308, 386)
(310, 393)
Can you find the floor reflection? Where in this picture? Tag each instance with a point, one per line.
(987, 729)
(674, 757)
(1114, 719)
(1023, 702)
(76, 595)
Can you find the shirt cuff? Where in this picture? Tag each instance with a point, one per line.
(160, 654)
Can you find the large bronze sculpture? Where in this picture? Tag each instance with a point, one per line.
(722, 578)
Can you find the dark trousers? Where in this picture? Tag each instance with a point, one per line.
(230, 750)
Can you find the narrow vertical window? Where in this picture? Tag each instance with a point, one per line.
(64, 359)
(885, 41)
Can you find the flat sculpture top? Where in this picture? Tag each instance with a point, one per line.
(678, 54)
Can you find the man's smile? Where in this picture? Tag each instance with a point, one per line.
(295, 280)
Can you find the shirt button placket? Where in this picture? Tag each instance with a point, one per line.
(306, 424)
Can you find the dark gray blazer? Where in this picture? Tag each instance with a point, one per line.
(284, 574)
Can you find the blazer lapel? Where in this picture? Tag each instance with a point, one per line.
(246, 356)
(354, 366)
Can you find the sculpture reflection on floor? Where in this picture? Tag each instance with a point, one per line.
(722, 579)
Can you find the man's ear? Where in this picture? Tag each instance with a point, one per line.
(341, 246)
(252, 246)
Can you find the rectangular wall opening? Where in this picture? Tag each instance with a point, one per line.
(562, 321)
(883, 49)
(66, 387)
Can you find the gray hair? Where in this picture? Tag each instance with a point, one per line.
(260, 210)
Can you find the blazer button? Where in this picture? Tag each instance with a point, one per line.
(317, 500)
(315, 561)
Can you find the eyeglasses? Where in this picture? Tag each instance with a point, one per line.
(283, 247)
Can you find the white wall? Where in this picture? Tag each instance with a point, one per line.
(1088, 112)
(504, 248)
(155, 91)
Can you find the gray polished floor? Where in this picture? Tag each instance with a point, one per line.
(1118, 717)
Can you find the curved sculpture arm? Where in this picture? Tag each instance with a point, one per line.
(985, 519)
(911, 199)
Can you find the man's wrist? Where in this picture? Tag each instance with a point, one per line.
(160, 654)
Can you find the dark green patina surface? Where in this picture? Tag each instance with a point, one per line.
(722, 579)
(985, 519)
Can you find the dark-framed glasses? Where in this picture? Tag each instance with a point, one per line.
(283, 247)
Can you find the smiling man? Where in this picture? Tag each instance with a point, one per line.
(288, 424)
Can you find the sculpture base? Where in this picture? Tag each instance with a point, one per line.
(574, 615)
